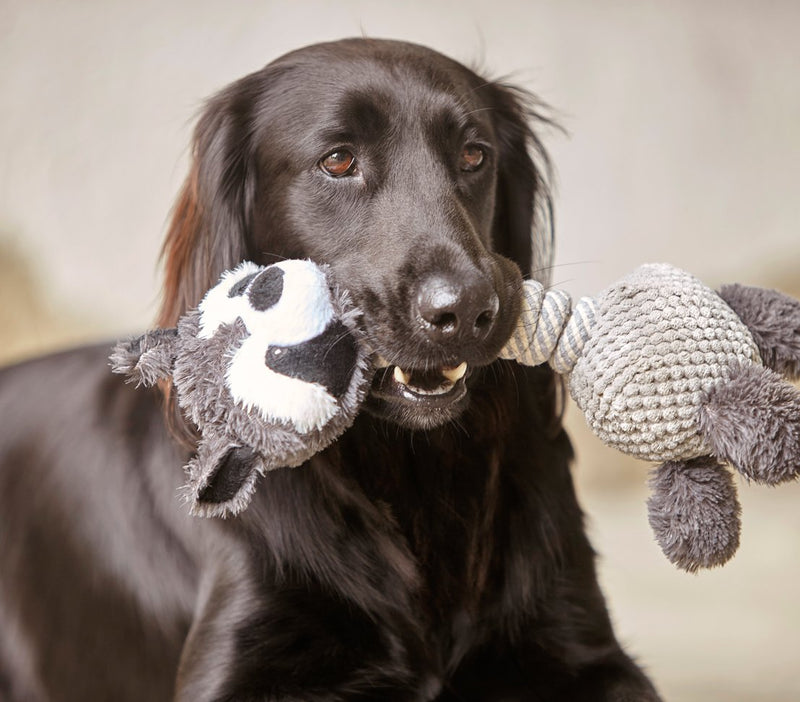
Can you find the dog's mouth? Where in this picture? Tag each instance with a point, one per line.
(445, 384)
(418, 398)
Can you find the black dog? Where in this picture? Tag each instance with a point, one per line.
(436, 551)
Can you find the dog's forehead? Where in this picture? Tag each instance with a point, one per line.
(370, 91)
(355, 61)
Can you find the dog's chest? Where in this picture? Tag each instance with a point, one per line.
(442, 498)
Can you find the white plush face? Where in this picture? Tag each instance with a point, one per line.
(289, 299)
(284, 307)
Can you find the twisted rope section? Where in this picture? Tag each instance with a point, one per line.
(548, 329)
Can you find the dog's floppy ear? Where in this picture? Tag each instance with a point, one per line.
(522, 228)
(213, 213)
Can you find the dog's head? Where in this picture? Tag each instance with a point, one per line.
(406, 173)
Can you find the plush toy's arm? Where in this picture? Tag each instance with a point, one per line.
(774, 321)
(148, 358)
(694, 512)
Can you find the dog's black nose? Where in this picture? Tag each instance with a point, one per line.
(452, 309)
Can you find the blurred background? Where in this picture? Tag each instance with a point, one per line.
(682, 145)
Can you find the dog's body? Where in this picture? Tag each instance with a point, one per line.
(399, 564)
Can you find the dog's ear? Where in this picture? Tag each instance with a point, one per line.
(522, 228)
(213, 213)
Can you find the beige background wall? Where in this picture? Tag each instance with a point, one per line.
(684, 145)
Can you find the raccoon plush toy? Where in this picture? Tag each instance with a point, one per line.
(269, 368)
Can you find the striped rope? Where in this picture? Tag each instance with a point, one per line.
(548, 330)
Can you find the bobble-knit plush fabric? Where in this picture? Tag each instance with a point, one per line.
(640, 356)
(661, 340)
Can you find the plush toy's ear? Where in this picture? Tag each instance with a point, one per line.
(694, 513)
(774, 321)
(752, 421)
(146, 358)
(222, 478)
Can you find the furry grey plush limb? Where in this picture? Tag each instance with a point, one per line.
(148, 358)
(753, 422)
(774, 321)
(694, 512)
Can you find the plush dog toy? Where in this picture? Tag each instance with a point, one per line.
(667, 370)
(271, 370)
(268, 367)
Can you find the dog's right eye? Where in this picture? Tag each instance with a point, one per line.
(472, 156)
(338, 163)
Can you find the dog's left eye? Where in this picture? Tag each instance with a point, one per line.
(338, 163)
(472, 157)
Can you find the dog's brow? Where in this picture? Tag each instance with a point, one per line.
(365, 114)
(454, 120)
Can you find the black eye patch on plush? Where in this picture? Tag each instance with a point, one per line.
(240, 287)
(266, 289)
(328, 359)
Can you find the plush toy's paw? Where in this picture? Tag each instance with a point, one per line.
(695, 513)
(146, 359)
(774, 321)
(752, 421)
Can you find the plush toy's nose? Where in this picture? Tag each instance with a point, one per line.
(456, 309)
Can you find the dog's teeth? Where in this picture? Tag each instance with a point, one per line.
(401, 376)
(455, 374)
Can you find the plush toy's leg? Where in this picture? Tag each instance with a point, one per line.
(774, 321)
(694, 512)
(222, 478)
(752, 421)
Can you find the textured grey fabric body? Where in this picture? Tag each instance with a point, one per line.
(662, 339)
(640, 356)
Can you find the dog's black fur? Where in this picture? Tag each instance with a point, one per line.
(399, 564)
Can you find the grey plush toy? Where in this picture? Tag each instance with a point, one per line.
(667, 370)
(269, 368)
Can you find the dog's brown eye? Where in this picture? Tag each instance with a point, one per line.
(471, 157)
(339, 163)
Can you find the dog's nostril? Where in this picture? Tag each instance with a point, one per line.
(437, 304)
(446, 321)
(484, 320)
